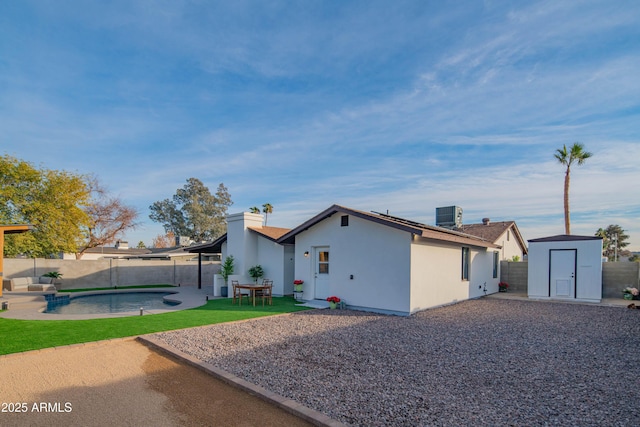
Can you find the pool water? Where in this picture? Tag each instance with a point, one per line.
(110, 303)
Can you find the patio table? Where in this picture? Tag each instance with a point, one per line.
(253, 288)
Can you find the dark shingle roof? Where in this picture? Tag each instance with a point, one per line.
(493, 230)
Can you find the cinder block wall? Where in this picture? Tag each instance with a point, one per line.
(615, 276)
(618, 275)
(516, 274)
(105, 273)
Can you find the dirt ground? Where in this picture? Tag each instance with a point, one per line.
(122, 383)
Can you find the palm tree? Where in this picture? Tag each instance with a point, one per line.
(575, 154)
(254, 209)
(267, 209)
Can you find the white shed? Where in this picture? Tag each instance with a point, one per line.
(566, 267)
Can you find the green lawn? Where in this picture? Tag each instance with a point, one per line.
(23, 335)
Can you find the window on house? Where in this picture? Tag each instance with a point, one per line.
(344, 221)
(508, 235)
(465, 263)
(496, 262)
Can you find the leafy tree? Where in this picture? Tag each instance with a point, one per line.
(267, 209)
(254, 209)
(193, 211)
(109, 219)
(53, 201)
(609, 236)
(70, 212)
(141, 245)
(575, 154)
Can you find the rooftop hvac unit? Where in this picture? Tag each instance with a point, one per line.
(449, 217)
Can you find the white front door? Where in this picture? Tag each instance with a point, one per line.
(321, 272)
(562, 274)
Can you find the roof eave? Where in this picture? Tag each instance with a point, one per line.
(453, 238)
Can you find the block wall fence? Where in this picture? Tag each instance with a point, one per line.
(105, 273)
(615, 276)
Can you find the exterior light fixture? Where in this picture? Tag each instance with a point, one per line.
(306, 254)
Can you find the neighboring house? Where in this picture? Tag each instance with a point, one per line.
(120, 250)
(502, 233)
(371, 261)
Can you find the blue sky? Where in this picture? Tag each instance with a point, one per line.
(401, 106)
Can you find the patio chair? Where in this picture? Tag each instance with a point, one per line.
(239, 293)
(266, 293)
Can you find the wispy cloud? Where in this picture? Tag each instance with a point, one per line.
(403, 107)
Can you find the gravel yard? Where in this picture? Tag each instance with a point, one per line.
(479, 362)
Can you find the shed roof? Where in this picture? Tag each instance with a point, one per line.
(564, 238)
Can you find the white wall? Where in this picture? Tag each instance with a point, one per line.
(250, 248)
(242, 243)
(271, 256)
(588, 268)
(510, 246)
(436, 274)
(377, 256)
(289, 269)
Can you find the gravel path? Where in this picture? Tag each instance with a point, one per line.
(480, 362)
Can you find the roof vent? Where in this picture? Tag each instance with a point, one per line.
(449, 217)
(486, 221)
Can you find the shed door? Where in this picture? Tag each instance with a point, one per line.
(562, 273)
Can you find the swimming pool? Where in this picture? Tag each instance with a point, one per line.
(110, 303)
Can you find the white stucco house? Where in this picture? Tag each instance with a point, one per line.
(371, 261)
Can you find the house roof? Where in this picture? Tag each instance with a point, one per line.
(271, 233)
(110, 250)
(214, 247)
(416, 228)
(492, 231)
(564, 238)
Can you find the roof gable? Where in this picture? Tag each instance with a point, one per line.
(494, 230)
(271, 233)
(416, 228)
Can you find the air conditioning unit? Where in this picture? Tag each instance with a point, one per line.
(449, 217)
